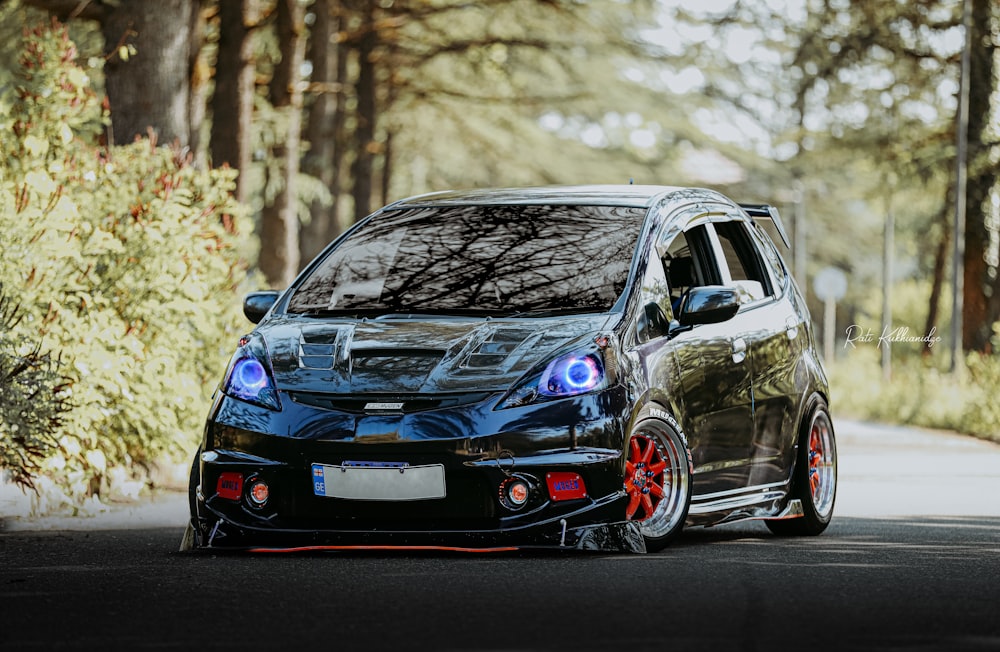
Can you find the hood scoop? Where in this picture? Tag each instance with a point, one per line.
(324, 350)
(394, 369)
(496, 349)
(367, 360)
(411, 356)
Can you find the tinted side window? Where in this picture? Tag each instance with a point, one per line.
(655, 288)
(744, 261)
(690, 262)
(771, 258)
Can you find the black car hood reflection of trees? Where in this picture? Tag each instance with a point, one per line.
(347, 356)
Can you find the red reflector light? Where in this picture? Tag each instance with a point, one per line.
(564, 485)
(230, 485)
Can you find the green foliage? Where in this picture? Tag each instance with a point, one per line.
(919, 393)
(982, 415)
(463, 88)
(125, 260)
(33, 397)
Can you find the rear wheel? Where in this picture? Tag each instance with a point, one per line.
(657, 482)
(815, 477)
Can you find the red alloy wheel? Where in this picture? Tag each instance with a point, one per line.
(644, 478)
(815, 458)
(822, 465)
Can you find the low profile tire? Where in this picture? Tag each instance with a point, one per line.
(657, 482)
(189, 541)
(814, 480)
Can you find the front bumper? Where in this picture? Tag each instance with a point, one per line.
(470, 515)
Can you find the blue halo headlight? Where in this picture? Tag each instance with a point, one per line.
(572, 374)
(249, 379)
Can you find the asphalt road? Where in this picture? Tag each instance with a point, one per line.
(911, 562)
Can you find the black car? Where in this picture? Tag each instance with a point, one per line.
(580, 367)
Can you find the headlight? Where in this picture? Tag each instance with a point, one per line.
(572, 374)
(578, 372)
(249, 377)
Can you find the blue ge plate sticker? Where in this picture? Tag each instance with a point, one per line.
(379, 481)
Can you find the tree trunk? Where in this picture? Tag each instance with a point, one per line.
(200, 74)
(937, 283)
(339, 221)
(149, 88)
(386, 169)
(232, 102)
(279, 239)
(981, 298)
(364, 132)
(321, 128)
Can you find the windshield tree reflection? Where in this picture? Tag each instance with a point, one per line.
(503, 259)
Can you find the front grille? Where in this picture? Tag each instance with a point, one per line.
(411, 403)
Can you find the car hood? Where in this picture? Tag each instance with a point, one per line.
(416, 355)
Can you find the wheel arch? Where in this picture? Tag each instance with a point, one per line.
(664, 412)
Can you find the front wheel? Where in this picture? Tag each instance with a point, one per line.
(657, 482)
(189, 540)
(814, 481)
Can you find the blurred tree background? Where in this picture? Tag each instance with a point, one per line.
(266, 127)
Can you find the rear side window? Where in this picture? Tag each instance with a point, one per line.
(771, 257)
(744, 260)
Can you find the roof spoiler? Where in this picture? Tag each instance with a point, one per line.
(768, 212)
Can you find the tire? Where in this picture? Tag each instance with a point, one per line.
(193, 480)
(189, 540)
(657, 482)
(814, 480)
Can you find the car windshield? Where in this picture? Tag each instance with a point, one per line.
(507, 260)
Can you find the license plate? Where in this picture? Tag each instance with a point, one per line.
(379, 481)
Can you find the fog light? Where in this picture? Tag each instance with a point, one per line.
(258, 493)
(230, 485)
(517, 492)
(514, 493)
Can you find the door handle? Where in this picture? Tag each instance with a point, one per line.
(791, 328)
(739, 350)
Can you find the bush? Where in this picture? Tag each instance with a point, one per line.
(982, 414)
(126, 260)
(918, 393)
(34, 399)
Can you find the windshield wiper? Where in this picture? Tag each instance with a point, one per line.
(554, 312)
(342, 312)
(401, 313)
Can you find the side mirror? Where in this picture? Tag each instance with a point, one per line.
(709, 304)
(256, 304)
(652, 323)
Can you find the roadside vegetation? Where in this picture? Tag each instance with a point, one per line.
(158, 159)
(920, 392)
(119, 280)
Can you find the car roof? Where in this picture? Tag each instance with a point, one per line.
(639, 196)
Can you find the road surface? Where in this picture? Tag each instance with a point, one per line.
(911, 562)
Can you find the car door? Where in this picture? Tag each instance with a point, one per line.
(773, 337)
(703, 372)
